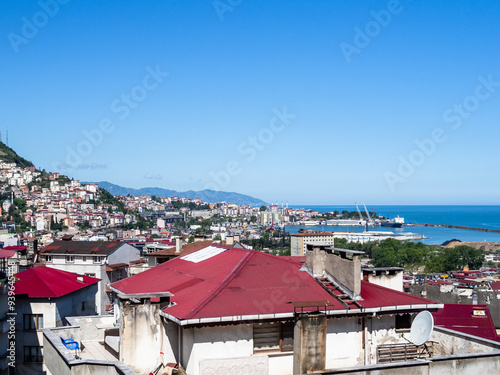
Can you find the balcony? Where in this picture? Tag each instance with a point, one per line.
(98, 354)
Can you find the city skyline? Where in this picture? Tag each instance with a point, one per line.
(390, 102)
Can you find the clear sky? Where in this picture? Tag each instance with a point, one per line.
(310, 102)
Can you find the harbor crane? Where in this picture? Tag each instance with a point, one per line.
(370, 221)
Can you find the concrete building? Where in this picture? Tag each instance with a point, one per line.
(220, 310)
(44, 298)
(299, 241)
(106, 260)
(389, 277)
(230, 308)
(4, 327)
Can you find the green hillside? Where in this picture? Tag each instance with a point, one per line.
(9, 155)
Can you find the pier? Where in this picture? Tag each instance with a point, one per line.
(456, 227)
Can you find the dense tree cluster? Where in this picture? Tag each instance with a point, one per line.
(412, 256)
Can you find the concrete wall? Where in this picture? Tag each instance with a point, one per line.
(309, 344)
(124, 254)
(449, 342)
(60, 361)
(141, 335)
(54, 313)
(394, 281)
(446, 365)
(100, 272)
(344, 343)
(296, 246)
(215, 343)
(345, 271)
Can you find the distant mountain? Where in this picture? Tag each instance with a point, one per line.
(10, 156)
(210, 196)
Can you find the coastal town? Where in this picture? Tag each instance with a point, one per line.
(77, 266)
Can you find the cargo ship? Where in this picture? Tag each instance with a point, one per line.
(397, 222)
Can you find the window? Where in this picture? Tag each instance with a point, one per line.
(33, 354)
(273, 337)
(48, 258)
(70, 259)
(84, 259)
(33, 322)
(403, 321)
(90, 274)
(98, 259)
(83, 306)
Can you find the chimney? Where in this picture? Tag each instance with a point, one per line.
(341, 265)
(236, 238)
(178, 245)
(229, 240)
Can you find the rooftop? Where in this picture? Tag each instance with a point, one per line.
(50, 282)
(239, 282)
(82, 247)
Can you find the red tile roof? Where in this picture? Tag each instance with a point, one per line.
(461, 318)
(49, 282)
(240, 282)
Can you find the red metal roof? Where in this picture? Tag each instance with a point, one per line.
(462, 318)
(15, 248)
(7, 253)
(245, 282)
(495, 285)
(50, 282)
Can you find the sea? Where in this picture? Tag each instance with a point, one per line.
(464, 215)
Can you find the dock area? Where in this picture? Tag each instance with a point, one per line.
(455, 227)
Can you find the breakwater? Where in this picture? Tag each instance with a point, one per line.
(456, 227)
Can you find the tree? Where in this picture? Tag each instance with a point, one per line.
(262, 208)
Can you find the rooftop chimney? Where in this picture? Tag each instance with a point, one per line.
(229, 240)
(178, 245)
(80, 278)
(341, 265)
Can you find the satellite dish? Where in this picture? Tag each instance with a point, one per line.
(421, 328)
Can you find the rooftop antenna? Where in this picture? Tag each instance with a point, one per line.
(421, 329)
(7, 137)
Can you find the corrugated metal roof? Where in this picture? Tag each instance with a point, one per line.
(50, 282)
(240, 282)
(203, 254)
(471, 319)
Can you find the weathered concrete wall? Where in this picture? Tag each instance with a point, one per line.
(345, 271)
(170, 348)
(215, 343)
(309, 344)
(446, 365)
(280, 363)
(141, 335)
(344, 343)
(315, 260)
(394, 281)
(484, 297)
(451, 343)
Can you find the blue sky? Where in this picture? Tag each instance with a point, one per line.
(324, 102)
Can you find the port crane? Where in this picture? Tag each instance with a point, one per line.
(370, 221)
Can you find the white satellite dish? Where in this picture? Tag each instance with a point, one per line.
(421, 328)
